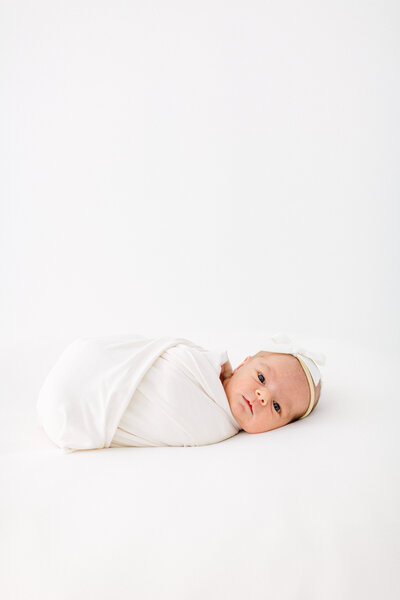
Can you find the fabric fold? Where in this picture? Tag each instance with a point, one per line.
(96, 380)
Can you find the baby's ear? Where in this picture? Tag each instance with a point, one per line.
(226, 371)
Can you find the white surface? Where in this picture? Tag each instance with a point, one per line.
(308, 511)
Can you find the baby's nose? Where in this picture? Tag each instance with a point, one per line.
(261, 397)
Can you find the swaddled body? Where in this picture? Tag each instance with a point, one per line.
(134, 391)
(179, 402)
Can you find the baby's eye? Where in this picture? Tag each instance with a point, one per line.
(276, 406)
(261, 377)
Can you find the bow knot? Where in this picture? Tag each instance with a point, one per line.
(291, 347)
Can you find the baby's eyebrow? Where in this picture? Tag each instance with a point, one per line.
(267, 366)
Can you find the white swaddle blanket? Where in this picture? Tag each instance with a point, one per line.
(135, 391)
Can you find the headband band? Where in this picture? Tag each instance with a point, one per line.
(310, 385)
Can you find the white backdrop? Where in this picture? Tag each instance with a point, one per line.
(202, 169)
(219, 171)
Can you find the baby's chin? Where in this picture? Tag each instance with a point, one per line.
(255, 429)
(251, 426)
(246, 423)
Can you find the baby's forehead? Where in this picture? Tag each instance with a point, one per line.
(266, 354)
(278, 359)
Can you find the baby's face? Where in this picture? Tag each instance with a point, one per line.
(267, 391)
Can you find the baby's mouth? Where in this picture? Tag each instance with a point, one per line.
(251, 408)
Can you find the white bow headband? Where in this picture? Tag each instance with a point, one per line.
(282, 344)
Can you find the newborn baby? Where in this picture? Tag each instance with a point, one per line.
(134, 391)
(269, 390)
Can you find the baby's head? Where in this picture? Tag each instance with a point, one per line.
(271, 389)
